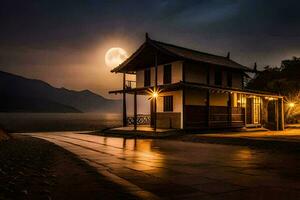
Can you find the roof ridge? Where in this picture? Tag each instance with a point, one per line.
(210, 54)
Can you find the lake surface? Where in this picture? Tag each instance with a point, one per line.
(21, 122)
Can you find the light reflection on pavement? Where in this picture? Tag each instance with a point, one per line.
(154, 169)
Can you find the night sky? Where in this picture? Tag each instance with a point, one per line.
(63, 42)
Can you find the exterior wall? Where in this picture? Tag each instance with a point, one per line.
(176, 74)
(237, 81)
(224, 78)
(140, 78)
(195, 73)
(152, 76)
(177, 71)
(177, 101)
(236, 78)
(160, 75)
(195, 97)
(170, 119)
(218, 99)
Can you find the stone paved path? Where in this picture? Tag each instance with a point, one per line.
(162, 169)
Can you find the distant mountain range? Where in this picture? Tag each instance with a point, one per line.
(19, 94)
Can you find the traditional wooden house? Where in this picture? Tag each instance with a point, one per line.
(189, 89)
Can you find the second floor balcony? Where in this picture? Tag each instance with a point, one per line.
(130, 84)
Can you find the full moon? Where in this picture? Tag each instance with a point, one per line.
(115, 56)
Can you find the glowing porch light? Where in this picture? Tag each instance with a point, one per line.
(291, 105)
(155, 94)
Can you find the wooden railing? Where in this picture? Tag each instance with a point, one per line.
(141, 120)
(222, 116)
(214, 116)
(130, 84)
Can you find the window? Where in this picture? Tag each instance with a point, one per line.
(168, 103)
(229, 79)
(218, 77)
(167, 74)
(147, 77)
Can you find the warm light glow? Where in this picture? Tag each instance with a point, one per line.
(292, 108)
(291, 105)
(154, 93)
(115, 56)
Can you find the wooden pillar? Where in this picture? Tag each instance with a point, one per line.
(280, 114)
(260, 111)
(276, 116)
(208, 107)
(156, 71)
(208, 97)
(183, 108)
(265, 112)
(155, 89)
(124, 101)
(183, 98)
(229, 110)
(245, 117)
(135, 110)
(155, 114)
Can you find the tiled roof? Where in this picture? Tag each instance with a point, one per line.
(176, 52)
(200, 56)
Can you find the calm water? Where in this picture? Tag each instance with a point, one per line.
(20, 122)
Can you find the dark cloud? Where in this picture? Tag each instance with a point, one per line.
(253, 30)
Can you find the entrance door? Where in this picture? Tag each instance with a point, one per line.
(271, 115)
(253, 110)
(249, 111)
(256, 110)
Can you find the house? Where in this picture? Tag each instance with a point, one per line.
(189, 89)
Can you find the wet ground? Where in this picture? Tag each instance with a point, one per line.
(287, 135)
(153, 169)
(32, 168)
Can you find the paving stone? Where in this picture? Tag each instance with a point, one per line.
(183, 170)
(217, 187)
(261, 193)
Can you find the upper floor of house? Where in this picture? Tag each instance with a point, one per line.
(190, 72)
(158, 63)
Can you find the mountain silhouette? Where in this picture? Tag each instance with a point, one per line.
(19, 94)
